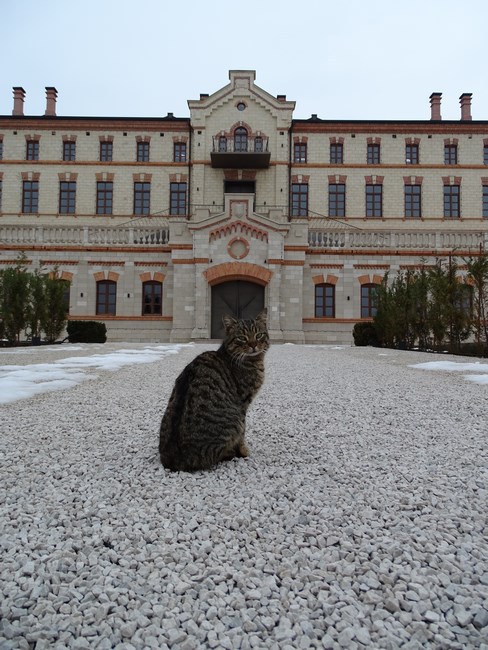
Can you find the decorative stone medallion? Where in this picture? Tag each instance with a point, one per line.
(238, 248)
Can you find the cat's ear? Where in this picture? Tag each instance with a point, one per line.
(261, 317)
(228, 322)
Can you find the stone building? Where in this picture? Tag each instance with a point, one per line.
(163, 224)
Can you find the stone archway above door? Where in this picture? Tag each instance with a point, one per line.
(238, 271)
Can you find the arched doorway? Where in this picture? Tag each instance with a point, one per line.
(238, 298)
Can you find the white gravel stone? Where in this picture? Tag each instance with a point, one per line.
(359, 518)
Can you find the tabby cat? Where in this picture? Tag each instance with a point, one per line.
(204, 422)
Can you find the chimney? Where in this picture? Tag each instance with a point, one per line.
(19, 96)
(435, 106)
(281, 98)
(51, 94)
(465, 101)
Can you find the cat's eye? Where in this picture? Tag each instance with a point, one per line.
(259, 336)
(241, 339)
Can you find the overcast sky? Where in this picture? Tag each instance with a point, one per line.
(352, 59)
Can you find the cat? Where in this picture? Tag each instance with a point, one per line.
(204, 422)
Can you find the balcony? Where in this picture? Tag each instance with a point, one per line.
(242, 153)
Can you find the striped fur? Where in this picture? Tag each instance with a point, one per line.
(205, 419)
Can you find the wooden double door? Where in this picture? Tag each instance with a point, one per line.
(237, 298)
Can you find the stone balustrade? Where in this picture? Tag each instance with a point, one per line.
(397, 240)
(83, 235)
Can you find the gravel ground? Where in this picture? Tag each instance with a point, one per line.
(359, 520)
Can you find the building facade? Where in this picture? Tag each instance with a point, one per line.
(163, 225)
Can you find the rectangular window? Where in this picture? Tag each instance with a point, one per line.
(452, 208)
(143, 152)
(368, 300)
(299, 199)
(105, 197)
(106, 297)
(1, 188)
(69, 150)
(413, 201)
(30, 197)
(152, 294)
(412, 154)
(142, 198)
(337, 200)
(67, 197)
(300, 152)
(179, 152)
(324, 301)
(485, 154)
(374, 200)
(450, 154)
(373, 154)
(337, 154)
(485, 201)
(177, 201)
(106, 150)
(32, 150)
(1, 149)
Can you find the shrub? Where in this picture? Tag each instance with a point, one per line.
(364, 334)
(86, 331)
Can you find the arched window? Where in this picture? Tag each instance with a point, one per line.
(240, 139)
(106, 297)
(152, 298)
(324, 300)
(368, 300)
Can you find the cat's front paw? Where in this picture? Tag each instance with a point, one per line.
(242, 450)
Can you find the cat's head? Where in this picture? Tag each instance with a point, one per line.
(246, 338)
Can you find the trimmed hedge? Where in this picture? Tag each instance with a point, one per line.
(86, 331)
(364, 334)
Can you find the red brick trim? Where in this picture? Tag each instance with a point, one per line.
(104, 177)
(484, 180)
(238, 226)
(67, 176)
(142, 178)
(143, 138)
(452, 180)
(237, 271)
(106, 138)
(128, 319)
(373, 140)
(413, 180)
(31, 176)
(178, 178)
